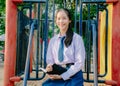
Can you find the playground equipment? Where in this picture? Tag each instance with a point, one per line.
(28, 22)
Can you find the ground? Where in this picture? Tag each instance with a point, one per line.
(31, 83)
(1, 72)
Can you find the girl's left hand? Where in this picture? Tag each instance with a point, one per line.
(54, 77)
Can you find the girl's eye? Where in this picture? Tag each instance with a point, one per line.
(64, 18)
(58, 19)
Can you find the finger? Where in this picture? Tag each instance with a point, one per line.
(52, 77)
(49, 68)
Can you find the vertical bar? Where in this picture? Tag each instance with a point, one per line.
(30, 22)
(53, 16)
(106, 45)
(89, 43)
(38, 40)
(46, 33)
(76, 1)
(10, 42)
(94, 55)
(64, 3)
(115, 42)
(80, 20)
(27, 65)
(97, 27)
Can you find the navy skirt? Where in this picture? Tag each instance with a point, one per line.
(76, 80)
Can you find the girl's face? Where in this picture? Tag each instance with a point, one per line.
(62, 21)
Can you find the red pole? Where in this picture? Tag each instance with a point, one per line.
(111, 1)
(116, 43)
(17, 1)
(10, 42)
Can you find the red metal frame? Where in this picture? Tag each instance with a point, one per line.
(116, 43)
(17, 1)
(10, 42)
(111, 1)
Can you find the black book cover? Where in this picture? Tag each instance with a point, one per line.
(57, 69)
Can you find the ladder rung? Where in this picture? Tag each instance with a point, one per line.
(35, 1)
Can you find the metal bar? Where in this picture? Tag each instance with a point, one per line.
(10, 42)
(38, 41)
(76, 1)
(35, 1)
(88, 50)
(99, 1)
(17, 1)
(88, 43)
(91, 81)
(46, 33)
(94, 1)
(28, 53)
(64, 3)
(97, 11)
(38, 49)
(41, 42)
(106, 46)
(30, 22)
(80, 20)
(94, 53)
(111, 1)
(53, 16)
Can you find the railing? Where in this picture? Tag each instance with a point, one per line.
(90, 31)
(91, 36)
(27, 66)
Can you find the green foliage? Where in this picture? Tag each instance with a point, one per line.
(92, 11)
(2, 19)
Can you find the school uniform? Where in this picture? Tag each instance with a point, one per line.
(73, 54)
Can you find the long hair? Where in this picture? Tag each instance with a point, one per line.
(69, 33)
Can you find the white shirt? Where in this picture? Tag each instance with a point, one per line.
(75, 53)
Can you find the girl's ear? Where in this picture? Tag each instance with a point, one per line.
(69, 21)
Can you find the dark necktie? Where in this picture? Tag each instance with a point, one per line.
(61, 49)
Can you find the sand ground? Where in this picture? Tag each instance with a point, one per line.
(31, 83)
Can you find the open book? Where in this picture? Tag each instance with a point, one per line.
(57, 69)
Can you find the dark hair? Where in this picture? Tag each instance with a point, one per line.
(69, 33)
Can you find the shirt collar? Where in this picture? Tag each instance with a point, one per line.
(59, 36)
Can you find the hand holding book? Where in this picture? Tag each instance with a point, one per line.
(57, 69)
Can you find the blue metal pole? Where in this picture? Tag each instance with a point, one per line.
(27, 66)
(80, 20)
(75, 16)
(46, 33)
(38, 41)
(53, 16)
(95, 54)
(93, 1)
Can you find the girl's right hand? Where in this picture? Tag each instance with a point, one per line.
(49, 68)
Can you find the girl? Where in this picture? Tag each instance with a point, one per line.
(67, 50)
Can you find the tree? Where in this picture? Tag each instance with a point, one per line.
(2, 19)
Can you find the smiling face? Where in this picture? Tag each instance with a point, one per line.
(62, 21)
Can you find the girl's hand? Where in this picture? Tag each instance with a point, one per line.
(49, 68)
(55, 77)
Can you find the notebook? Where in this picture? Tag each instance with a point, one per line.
(57, 69)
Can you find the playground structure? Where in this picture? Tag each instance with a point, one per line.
(28, 23)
